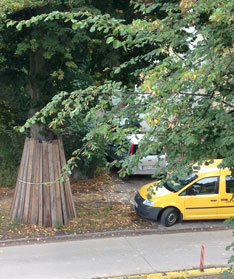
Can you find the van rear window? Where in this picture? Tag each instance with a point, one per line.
(229, 184)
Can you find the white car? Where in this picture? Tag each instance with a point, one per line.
(148, 165)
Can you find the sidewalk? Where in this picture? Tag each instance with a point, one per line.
(186, 226)
(115, 256)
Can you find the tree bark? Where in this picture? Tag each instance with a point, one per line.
(38, 74)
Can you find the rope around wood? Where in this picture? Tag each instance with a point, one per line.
(39, 183)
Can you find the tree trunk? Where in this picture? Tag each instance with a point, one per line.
(38, 74)
(39, 198)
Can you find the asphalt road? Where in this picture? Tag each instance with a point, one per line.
(105, 257)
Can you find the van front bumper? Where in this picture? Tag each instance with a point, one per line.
(145, 211)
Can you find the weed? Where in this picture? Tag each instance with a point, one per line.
(13, 226)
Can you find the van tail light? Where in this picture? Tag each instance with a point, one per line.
(131, 149)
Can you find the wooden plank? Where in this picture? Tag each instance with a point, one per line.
(31, 180)
(20, 210)
(33, 211)
(70, 203)
(60, 198)
(40, 190)
(28, 180)
(18, 188)
(46, 192)
(62, 188)
(66, 195)
(52, 186)
(23, 185)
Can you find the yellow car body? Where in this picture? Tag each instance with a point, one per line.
(208, 196)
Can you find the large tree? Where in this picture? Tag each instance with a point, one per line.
(39, 57)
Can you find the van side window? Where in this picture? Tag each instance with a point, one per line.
(229, 184)
(205, 186)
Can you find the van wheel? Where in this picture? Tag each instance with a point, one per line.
(169, 217)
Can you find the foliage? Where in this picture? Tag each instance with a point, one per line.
(230, 222)
(186, 78)
(11, 144)
(40, 55)
(184, 85)
(73, 134)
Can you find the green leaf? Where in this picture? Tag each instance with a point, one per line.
(116, 44)
(109, 40)
(152, 7)
(28, 23)
(92, 29)
(118, 70)
(75, 26)
(19, 26)
(21, 130)
(10, 23)
(27, 125)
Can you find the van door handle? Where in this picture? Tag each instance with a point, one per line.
(224, 199)
(213, 200)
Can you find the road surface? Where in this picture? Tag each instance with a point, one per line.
(116, 256)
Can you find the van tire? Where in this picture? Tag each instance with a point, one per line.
(169, 217)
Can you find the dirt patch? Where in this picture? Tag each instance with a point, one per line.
(102, 204)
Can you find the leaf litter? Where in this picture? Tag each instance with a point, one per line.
(102, 204)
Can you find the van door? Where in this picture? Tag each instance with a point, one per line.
(200, 200)
(226, 198)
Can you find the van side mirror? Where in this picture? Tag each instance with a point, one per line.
(191, 191)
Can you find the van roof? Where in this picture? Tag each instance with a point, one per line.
(211, 167)
(135, 139)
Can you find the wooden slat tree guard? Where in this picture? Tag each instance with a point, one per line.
(39, 198)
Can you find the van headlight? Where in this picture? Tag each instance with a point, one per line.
(149, 203)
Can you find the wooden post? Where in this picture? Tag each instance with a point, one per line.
(202, 258)
(39, 197)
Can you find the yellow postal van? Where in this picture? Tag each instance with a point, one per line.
(205, 195)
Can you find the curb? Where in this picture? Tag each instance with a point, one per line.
(174, 274)
(107, 234)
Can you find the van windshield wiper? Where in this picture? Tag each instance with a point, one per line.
(169, 188)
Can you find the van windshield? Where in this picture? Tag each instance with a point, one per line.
(176, 184)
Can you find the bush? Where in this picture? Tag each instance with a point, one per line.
(73, 138)
(11, 147)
